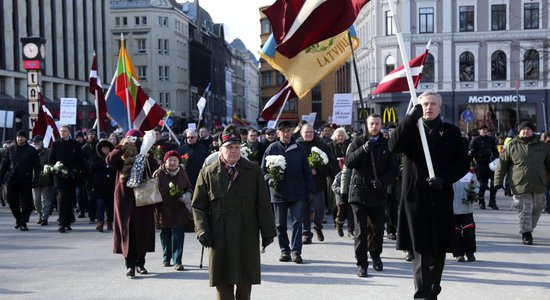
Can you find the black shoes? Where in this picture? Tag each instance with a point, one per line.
(493, 205)
(44, 223)
(527, 238)
(285, 257)
(61, 229)
(471, 257)
(24, 227)
(319, 233)
(340, 230)
(481, 205)
(460, 259)
(131, 273)
(377, 264)
(409, 256)
(362, 271)
(297, 258)
(166, 264)
(17, 225)
(141, 270)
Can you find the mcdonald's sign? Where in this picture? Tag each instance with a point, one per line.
(389, 115)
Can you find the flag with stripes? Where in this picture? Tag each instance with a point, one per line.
(276, 102)
(396, 80)
(45, 124)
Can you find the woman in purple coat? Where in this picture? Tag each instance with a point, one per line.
(133, 227)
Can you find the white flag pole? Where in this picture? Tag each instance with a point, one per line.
(412, 90)
(281, 110)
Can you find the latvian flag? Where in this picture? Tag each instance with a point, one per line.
(45, 125)
(276, 102)
(396, 80)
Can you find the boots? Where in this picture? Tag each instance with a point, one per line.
(493, 204)
(527, 238)
(99, 226)
(481, 203)
(339, 228)
(110, 226)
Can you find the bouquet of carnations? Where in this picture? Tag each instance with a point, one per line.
(245, 151)
(317, 158)
(276, 165)
(184, 158)
(174, 190)
(60, 169)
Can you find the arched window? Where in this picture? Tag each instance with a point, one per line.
(428, 72)
(467, 66)
(531, 64)
(498, 65)
(390, 64)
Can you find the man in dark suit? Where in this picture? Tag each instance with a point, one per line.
(426, 211)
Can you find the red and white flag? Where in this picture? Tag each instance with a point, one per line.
(45, 125)
(276, 102)
(96, 86)
(396, 80)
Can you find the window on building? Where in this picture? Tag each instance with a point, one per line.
(124, 21)
(267, 79)
(3, 86)
(531, 15)
(141, 46)
(162, 21)
(266, 26)
(389, 23)
(163, 46)
(428, 72)
(163, 73)
(389, 64)
(164, 100)
(143, 20)
(317, 100)
(466, 18)
(426, 20)
(142, 73)
(138, 19)
(531, 65)
(467, 66)
(117, 21)
(290, 105)
(280, 78)
(498, 65)
(498, 17)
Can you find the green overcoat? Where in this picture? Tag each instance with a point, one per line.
(234, 213)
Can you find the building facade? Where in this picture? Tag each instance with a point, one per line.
(72, 31)
(485, 56)
(245, 65)
(156, 35)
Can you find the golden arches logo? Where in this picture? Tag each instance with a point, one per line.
(389, 115)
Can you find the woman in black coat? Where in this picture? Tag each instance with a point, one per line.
(103, 184)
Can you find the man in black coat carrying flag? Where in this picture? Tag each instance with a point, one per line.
(426, 211)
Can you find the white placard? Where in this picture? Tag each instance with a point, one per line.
(342, 109)
(271, 124)
(67, 111)
(311, 118)
(192, 126)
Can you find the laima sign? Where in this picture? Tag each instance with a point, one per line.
(496, 99)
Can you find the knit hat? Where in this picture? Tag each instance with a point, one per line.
(22, 133)
(37, 138)
(78, 133)
(230, 136)
(284, 125)
(526, 124)
(171, 153)
(134, 132)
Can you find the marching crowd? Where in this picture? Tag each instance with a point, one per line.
(240, 184)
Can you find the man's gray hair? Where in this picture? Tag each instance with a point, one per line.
(431, 92)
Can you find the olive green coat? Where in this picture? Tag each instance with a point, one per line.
(233, 213)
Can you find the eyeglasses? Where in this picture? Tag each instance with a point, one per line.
(191, 137)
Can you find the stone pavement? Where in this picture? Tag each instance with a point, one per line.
(44, 264)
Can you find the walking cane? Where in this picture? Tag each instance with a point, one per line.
(202, 256)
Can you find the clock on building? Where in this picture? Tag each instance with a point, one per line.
(30, 51)
(34, 53)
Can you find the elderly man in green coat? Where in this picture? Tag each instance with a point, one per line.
(230, 207)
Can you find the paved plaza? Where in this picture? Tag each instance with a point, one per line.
(44, 264)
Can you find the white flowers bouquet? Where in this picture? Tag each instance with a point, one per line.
(317, 158)
(174, 190)
(276, 165)
(245, 151)
(57, 169)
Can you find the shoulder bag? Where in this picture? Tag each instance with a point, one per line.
(147, 192)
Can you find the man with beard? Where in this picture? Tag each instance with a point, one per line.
(20, 168)
(483, 150)
(68, 152)
(426, 223)
(308, 140)
(373, 169)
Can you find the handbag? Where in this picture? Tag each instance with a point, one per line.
(147, 192)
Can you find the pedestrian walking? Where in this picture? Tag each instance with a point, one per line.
(465, 192)
(20, 169)
(526, 160)
(425, 223)
(102, 181)
(483, 150)
(43, 191)
(231, 210)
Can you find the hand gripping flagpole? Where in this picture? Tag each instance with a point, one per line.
(412, 90)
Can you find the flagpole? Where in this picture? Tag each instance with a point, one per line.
(97, 114)
(130, 125)
(281, 110)
(202, 113)
(412, 90)
(108, 91)
(363, 116)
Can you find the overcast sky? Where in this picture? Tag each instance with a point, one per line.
(240, 19)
